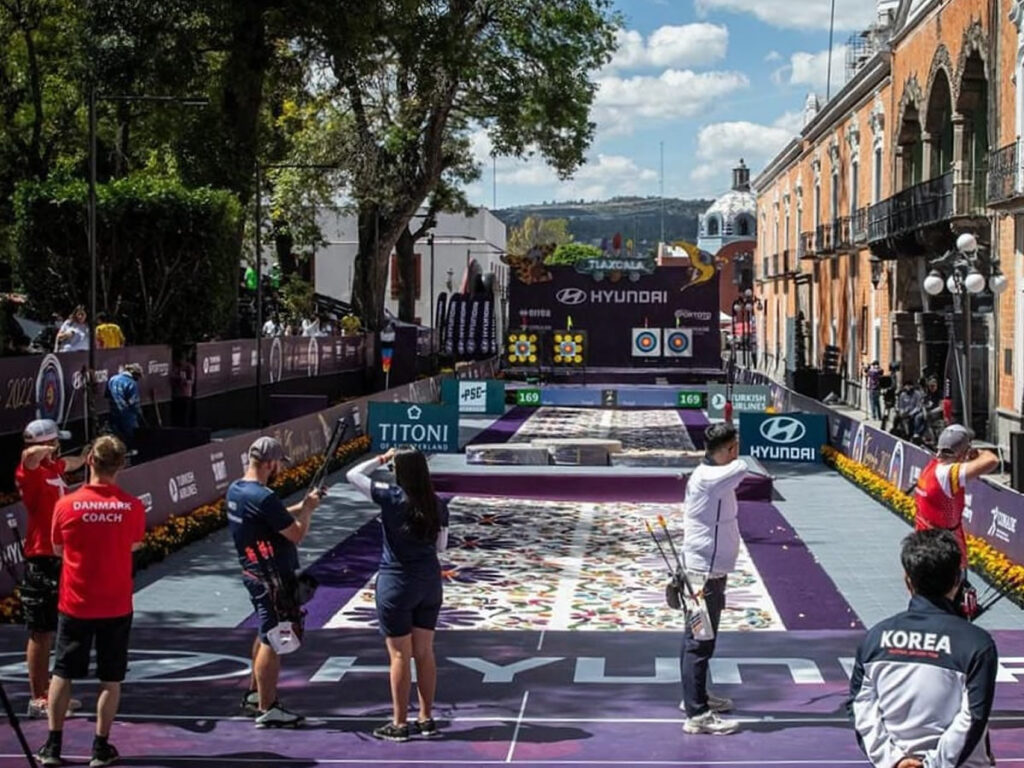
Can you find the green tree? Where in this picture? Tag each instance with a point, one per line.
(417, 78)
(535, 231)
(571, 253)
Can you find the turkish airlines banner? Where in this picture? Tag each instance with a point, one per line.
(670, 298)
(224, 366)
(52, 386)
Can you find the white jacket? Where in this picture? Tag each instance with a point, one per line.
(711, 533)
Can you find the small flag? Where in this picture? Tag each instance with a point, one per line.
(568, 323)
(385, 358)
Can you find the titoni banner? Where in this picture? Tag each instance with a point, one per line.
(428, 428)
(796, 437)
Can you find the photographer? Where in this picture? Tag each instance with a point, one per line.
(923, 681)
(265, 533)
(873, 374)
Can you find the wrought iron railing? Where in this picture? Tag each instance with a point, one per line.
(824, 238)
(1005, 174)
(808, 246)
(860, 226)
(929, 202)
(842, 233)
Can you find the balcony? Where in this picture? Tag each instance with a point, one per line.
(808, 246)
(785, 262)
(860, 226)
(1006, 179)
(824, 239)
(929, 204)
(842, 234)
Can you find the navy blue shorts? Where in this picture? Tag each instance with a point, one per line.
(405, 601)
(263, 604)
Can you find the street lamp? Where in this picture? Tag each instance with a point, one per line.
(93, 99)
(960, 272)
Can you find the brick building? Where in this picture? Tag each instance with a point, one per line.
(880, 183)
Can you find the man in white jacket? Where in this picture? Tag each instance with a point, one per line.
(711, 544)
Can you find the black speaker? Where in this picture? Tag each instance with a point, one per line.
(1017, 461)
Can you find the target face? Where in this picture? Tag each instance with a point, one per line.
(679, 342)
(522, 349)
(646, 342)
(569, 348)
(50, 389)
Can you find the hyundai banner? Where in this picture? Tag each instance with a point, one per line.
(793, 437)
(609, 311)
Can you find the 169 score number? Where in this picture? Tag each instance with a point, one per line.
(691, 400)
(528, 397)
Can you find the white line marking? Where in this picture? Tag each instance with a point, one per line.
(572, 567)
(512, 718)
(163, 759)
(541, 641)
(519, 724)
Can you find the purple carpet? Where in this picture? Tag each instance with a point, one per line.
(664, 489)
(695, 422)
(801, 589)
(502, 430)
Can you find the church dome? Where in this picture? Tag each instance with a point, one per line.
(734, 214)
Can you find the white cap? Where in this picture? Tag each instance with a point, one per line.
(44, 431)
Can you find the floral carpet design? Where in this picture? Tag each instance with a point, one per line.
(637, 430)
(548, 565)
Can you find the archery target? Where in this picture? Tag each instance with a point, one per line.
(569, 348)
(522, 348)
(678, 342)
(646, 342)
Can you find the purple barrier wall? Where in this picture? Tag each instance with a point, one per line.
(183, 481)
(994, 513)
(223, 366)
(51, 386)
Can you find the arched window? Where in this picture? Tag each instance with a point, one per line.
(743, 226)
(713, 226)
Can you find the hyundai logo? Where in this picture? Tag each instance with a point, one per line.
(783, 430)
(571, 296)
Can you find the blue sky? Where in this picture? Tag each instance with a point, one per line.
(715, 80)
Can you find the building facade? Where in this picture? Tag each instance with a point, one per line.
(458, 245)
(880, 184)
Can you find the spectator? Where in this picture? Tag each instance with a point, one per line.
(40, 481)
(873, 374)
(311, 327)
(183, 383)
(108, 333)
(125, 402)
(73, 335)
(272, 327)
(923, 680)
(265, 533)
(95, 529)
(409, 589)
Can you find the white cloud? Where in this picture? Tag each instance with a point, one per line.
(622, 103)
(773, 56)
(680, 46)
(851, 15)
(811, 70)
(721, 145)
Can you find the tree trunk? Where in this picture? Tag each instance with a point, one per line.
(405, 256)
(377, 238)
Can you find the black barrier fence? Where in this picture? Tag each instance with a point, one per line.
(183, 481)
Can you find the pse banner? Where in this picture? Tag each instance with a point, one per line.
(745, 399)
(428, 428)
(474, 396)
(224, 366)
(783, 437)
(52, 386)
(609, 311)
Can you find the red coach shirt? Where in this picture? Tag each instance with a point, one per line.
(97, 525)
(940, 501)
(40, 488)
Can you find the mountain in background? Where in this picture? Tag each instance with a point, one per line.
(634, 217)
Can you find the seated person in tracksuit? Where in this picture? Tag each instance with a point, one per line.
(923, 682)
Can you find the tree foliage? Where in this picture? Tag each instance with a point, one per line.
(571, 253)
(167, 255)
(535, 231)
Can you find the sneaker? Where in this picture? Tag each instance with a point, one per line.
(251, 704)
(425, 728)
(49, 754)
(392, 732)
(103, 754)
(711, 723)
(279, 717)
(38, 709)
(715, 704)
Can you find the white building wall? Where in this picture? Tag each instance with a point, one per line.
(457, 240)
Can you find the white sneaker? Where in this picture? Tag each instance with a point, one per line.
(715, 704)
(279, 717)
(711, 723)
